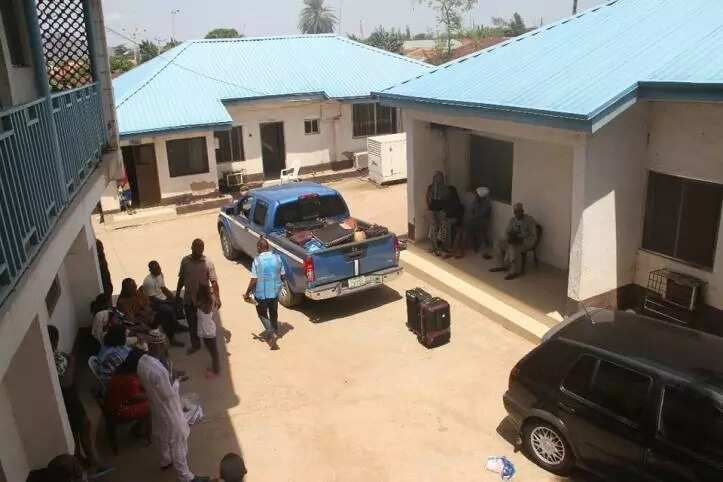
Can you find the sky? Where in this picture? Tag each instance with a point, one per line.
(153, 20)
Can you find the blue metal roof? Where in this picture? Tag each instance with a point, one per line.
(575, 71)
(290, 192)
(186, 86)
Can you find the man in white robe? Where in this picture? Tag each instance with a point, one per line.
(170, 428)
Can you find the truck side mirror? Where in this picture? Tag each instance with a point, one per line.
(231, 210)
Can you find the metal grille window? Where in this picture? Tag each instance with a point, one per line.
(372, 119)
(491, 165)
(230, 145)
(52, 296)
(187, 156)
(65, 43)
(311, 126)
(682, 218)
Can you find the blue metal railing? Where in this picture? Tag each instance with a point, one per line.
(38, 180)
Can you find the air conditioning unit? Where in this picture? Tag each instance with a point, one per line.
(235, 179)
(387, 158)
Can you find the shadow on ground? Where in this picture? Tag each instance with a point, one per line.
(507, 431)
(328, 310)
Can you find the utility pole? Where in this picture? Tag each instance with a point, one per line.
(574, 7)
(173, 22)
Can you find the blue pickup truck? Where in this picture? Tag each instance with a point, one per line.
(284, 214)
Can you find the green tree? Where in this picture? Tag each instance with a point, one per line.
(423, 36)
(223, 33)
(121, 59)
(169, 45)
(390, 40)
(407, 34)
(147, 50)
(120, 63)
(449, 15)
(511, 27)
(316, 17)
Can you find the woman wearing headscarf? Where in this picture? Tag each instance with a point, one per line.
(436, 195)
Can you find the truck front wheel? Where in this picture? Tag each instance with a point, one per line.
(288, 298)
(227, 245)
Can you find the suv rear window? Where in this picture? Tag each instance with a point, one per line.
(619, 390)
(310, 208)
(694, 421)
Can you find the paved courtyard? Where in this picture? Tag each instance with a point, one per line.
(351, 395)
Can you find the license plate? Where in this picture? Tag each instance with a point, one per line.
(357, 282)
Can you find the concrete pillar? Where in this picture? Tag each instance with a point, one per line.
(83, 273)
(608, 202)
(33, 390)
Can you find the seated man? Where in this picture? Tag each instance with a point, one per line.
(113, 353)
(520, 237)
(136, 307)
(162, 299)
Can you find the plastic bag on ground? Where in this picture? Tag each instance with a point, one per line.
(502, 466)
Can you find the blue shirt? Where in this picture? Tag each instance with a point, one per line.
(267, 269)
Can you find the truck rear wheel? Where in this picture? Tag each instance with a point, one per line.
(288, 298)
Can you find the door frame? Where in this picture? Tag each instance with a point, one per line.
(130, 163)
(282, 129)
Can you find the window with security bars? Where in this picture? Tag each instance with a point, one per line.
(65, 43)
(372, 119)
(230, 145)
(682, 218)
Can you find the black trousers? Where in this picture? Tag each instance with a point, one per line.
(192, 320)
(269, 309)
(212, 347)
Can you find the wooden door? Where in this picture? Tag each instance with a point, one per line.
(273, 149)
(142, 171)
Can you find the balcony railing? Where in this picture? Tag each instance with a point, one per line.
(38, 177)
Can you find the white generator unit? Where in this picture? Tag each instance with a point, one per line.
(387, 158)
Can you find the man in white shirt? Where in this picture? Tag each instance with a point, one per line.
(162, 299)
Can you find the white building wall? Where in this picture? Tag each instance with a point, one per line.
(608, 204)
(335, 133)
(686, 140)
(177, 186)
(542, 173)
(12, 451)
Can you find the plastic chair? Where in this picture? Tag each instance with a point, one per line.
(290, 175)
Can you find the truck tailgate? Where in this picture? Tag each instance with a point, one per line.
(352, 260)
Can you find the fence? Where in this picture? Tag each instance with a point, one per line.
(38, 178)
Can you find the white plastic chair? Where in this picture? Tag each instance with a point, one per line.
(290, 175)
(94, 365)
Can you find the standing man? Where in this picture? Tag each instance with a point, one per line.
(267, 278)
(520, 237)
(195, 270)
(169, 425)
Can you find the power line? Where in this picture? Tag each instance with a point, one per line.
(172, 61)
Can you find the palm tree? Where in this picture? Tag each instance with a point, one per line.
(316, 17)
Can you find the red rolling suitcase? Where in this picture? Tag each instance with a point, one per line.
(435, 319)
(414, 298)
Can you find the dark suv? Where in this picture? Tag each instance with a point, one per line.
(624, 396)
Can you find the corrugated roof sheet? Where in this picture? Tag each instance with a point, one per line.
(578, 68)
(185, 86)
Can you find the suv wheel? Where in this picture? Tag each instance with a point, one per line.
(288, 298)
(227, 245)
(547, 447)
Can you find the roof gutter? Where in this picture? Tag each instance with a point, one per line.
(573, 122)
(173, 130)
(681, 91)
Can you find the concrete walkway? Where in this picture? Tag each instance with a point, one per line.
(528, 305)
